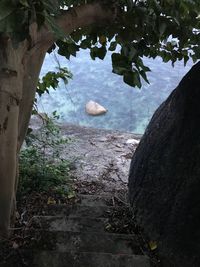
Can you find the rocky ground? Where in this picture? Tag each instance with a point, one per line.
(101, 157)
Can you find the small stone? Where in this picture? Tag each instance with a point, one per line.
(118, 145)
(94, 108)
(17, 215)
(103, 139)
(132, 141)
(15, 245)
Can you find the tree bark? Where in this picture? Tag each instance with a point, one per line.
(11, 75)
(32, 66)
(164, 176)
(78, 17)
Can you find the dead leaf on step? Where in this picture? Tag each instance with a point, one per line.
(17, 215)
(71, 195)
(51, 201)
(153, 245)
(108, 226)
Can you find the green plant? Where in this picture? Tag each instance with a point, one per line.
(51, 79)
(41, 166)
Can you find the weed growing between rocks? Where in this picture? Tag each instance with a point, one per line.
(42, 168)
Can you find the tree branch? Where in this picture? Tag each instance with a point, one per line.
(78, 17)
(85, 15)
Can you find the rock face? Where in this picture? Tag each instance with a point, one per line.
(164, 180)
(94, 109)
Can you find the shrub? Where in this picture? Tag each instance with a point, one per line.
(41, 166)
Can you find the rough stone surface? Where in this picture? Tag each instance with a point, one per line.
(73, 224)
(90, 260)
(94, 108)
(133, 141)
(103, 156)
(81, 259)
(79, 210)
(62, 241)
(72, 240)
(165, 174)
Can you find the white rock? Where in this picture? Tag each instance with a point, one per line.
(93, 108)
(132, 141)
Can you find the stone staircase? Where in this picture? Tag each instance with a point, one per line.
(75, 236)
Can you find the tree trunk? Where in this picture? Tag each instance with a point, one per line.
(32, 66)
(164, 180)
(33, 63)
(11, 75)
(20, 68)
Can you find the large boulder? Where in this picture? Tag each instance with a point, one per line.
(164, 179)
(95, 109)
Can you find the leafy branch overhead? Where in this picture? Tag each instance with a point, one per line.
(51, 80)
(140, 28)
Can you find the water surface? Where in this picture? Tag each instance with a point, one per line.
(129, 109)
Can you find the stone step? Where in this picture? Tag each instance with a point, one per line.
(73, 259)
(78, 210)
(86, 259)
(96, 200)
(72, 224)
(82, 242)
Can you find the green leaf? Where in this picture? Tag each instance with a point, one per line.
(6, 9)
(52, 6)
(86, 43)
(113, 46)
(24, 3)
(98, 52)
(55, 28)
(121, 61)
(144, 76)
(162, 28)
(132, 79)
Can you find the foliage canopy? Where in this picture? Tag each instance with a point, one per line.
(150, 28)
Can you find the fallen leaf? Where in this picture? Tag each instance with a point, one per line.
(71, 195)
(153, 245)
(51, 201)
(108, 227)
